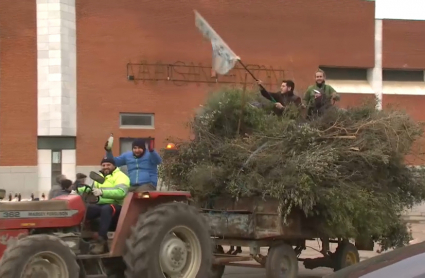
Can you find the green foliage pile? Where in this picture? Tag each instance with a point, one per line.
(345, 168)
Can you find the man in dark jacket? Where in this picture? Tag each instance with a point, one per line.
(56, 188)
(80, 180)
(283, 98)
(66, 188)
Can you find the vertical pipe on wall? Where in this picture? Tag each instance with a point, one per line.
(377, 70)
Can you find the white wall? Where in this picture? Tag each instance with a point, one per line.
(44, 171)
(56, 67)
(19, 179)
(375, 74)
(68, 164)
(57, 83)
(86, 170)
(396, 9)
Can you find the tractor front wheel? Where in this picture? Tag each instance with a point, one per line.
(172, 240)
(38, 256)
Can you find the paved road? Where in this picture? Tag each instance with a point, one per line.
(248, 272)
(242, 272)
(255, 272)
(418, 232)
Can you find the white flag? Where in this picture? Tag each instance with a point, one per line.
(223, 58)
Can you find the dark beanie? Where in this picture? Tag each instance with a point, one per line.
(139, 143)
(80, 176)
(65, 184)
(108, 160)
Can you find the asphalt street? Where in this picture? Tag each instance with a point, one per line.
(418, 232)
(255, 272)
(247, 272)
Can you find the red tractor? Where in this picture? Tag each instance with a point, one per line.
(158, 234)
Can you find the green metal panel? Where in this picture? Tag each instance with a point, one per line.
(56, 143)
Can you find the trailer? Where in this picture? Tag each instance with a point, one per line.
(254, 222)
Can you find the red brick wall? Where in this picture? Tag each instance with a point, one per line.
(403, 44)
(404, 48)
(414, 105)
(295, 35)
(351, 100)
(18, 83)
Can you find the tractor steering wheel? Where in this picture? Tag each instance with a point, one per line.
(88, 196)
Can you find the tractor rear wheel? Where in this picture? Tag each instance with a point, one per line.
(217, 271)
(39, 256)
(172, 240)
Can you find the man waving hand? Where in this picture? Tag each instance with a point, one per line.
(142, 164)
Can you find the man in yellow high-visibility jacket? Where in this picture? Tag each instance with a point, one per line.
(111, 196)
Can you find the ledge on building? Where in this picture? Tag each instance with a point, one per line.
(348, 80)
(403, 82)
(351, 86)
(403, 88)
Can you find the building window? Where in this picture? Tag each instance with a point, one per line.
(133, 120)
(403, 75)
(340, 73)
(56, 165)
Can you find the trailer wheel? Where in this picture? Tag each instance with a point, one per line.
(282, 262)
(346, 254)
(39, 256)
(217, 270)
(171, 240)
(262, 259)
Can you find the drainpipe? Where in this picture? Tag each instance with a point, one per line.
(377, 70)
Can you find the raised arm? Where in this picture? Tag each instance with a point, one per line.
(119, 160)
(155, 158)
(264, 92)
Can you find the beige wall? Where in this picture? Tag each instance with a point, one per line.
(19, 179)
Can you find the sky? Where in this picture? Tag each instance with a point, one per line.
(400, 9)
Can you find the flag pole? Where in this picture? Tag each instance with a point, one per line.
(221, 49)
(252, 75)
(243, 102)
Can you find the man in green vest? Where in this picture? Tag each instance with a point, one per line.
(319, 96)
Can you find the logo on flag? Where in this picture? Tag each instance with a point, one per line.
(223, 58)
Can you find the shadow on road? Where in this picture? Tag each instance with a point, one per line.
(246, 272)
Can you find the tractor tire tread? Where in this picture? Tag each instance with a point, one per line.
(14, 252)
(143, 237)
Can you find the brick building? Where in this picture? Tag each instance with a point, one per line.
(72, 72)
